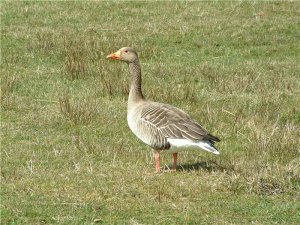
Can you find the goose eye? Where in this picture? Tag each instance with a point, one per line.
(126, 51)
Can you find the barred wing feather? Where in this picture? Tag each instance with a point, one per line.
(168, 122)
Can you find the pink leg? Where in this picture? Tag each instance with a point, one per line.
(157, 161)
(175, 160)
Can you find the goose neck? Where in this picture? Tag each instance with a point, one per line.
(135, 93)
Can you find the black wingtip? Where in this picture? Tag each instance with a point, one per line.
(213, 138)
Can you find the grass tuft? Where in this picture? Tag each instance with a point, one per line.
(76, 64)
(79, 112)
(7, 87)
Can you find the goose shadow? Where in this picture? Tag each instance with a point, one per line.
(209, 166)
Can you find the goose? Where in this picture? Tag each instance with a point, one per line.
(161, 126)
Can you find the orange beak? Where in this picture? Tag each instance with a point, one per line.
(115, 55)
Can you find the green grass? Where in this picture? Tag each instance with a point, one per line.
(67, 154)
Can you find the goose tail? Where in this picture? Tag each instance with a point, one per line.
(208, 146)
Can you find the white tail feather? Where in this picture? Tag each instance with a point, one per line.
(182, 144)
(206, 145)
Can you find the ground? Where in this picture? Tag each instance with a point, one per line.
(67, 154)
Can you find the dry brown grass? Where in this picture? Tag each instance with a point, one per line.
(80, 111)
(7, 86)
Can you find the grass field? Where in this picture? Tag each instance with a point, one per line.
(67, 154)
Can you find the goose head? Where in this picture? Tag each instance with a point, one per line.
(125, 54)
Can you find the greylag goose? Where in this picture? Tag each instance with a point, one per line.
(161, 126)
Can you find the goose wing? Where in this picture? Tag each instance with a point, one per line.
(167, 121)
